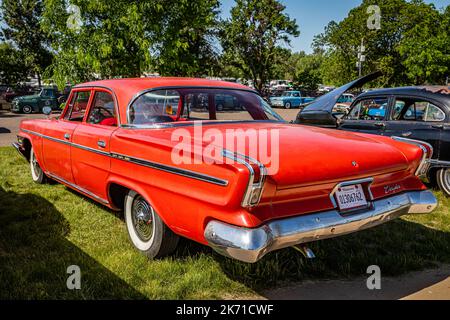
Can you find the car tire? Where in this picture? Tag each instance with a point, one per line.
(37, 174)
(27, 109)
(287, 105)
(443, 180)
(219, 107)
(146, 230)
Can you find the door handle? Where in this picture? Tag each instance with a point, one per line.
(101, 143)
(67, 136)
(380, 124)
(438, 126)
(406, 134)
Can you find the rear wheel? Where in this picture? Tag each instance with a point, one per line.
(443, 180)
(27, 109)
(146, 230)
(36, 172)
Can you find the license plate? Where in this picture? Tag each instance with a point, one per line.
(351, 197)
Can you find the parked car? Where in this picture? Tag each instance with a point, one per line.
(47, 96)
(10, 93)
(122, 133)
(290, 99)
(420, 113)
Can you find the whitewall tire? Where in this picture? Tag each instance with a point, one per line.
(37, 174)
(146, 230)
(443, 180)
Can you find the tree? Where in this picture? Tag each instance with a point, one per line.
(21, 26)
(12, 67)
(125, 38)
(410, 48)
(184, 45)
(253, 35)
(99, 38)
(307, 73)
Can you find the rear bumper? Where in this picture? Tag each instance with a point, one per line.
(250, 245)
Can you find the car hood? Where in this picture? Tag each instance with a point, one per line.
(296, 155)
(326, 102)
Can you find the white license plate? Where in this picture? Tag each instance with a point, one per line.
(351, 197)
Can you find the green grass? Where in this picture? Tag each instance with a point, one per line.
(46, 228)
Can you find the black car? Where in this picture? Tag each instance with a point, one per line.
(419, 113)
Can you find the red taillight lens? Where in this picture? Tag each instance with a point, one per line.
(257, 173)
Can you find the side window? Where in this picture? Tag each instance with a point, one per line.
(369, 109)
(154, 107)
(102, 111)
(417, 110)
(77, 106)
(228, 107)
(196, 106)
(296, 94)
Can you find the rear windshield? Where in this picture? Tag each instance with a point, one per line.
(186, 104)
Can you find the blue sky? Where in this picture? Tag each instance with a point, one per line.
(313, 15)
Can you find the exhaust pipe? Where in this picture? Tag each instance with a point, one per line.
(305, 251)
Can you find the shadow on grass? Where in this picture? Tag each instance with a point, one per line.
(34, 255)
(397, 248)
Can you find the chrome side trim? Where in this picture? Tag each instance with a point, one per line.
(424, 165)
(78, 188)
(142, 162)
(439, 163)
(250, 245)
(170, 169)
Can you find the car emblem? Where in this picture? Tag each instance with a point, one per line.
(355, 164)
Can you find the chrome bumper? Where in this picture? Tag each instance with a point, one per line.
(250, 245)
(19, 149)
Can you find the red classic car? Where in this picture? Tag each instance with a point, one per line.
(159, 150)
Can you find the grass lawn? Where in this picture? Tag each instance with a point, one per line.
(46, 228)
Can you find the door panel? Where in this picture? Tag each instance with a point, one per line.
(370, 126)
(90, 158)
(90, 150)
(56, 148)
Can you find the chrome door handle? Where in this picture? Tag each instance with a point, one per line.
(101, 143)
(379, 124)
(406, 134)
(67, 136)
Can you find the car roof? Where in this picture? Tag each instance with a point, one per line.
(139, 84)
(441, 93)
(128, 88)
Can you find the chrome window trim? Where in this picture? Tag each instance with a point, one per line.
(145, 163)
(425, 162)
(116, 102)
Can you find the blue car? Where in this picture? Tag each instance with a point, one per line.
(290, 99)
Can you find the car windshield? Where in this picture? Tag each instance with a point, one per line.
(286, 94)
(193, 104)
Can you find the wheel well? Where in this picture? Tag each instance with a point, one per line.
(27, 148)
(117, 195)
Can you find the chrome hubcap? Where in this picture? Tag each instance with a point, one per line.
(35, 165)
(447, 177)
(142, 215)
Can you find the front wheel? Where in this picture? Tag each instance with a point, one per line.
(443, 180)
(27, 109)
(148, 233)
(287, 105)
(36, 172)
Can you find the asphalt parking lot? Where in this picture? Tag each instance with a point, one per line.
(10, 122)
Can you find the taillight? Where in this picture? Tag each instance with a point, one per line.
(427, 153)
